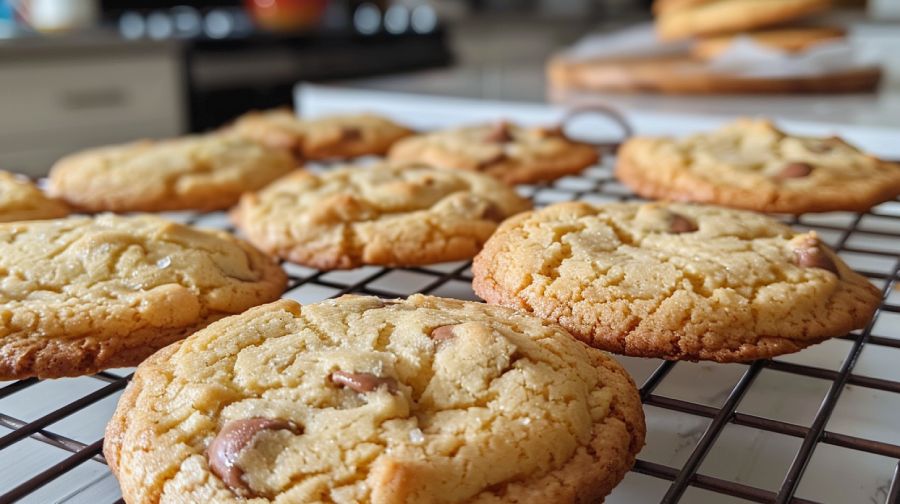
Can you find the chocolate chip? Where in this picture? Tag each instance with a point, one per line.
(809, 254)
(500, 132)
(493, 213)
(680, 224)
(362, 382)
(442, 333)
(797, 169)
(350, 134)
(234, 437)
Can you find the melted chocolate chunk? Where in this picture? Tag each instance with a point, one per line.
(362, 382)
(443, 333)
(795, 170)
(681, 224)
(500, 133)
(493, 213)
(809, 254)
(350, 134)
(234, 437)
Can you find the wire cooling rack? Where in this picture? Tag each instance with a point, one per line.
(822, 425)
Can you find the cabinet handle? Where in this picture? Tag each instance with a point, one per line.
(80, 99)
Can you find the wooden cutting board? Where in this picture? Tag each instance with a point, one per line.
(683, 75)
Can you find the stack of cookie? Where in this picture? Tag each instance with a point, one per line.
(717, 47)
(717, 22)
(724, 31)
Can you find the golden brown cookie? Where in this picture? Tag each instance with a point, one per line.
(713, 17)
(79, 295)
(674, 281)
(513, 154)
(21, 200)
(395, 214)
(791, 40)
(202, 172)
(359, 400)
(330, 137)
(752, 164)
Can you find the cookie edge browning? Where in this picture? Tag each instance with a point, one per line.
(61, 187)
(118, 423)
(59, 357)
(53, 209)
(612, 450)
(687, 188)
(49, 208)
(486, 287)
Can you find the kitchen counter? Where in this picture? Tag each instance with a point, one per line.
(509, 65)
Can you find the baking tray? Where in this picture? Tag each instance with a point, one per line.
(821, 425)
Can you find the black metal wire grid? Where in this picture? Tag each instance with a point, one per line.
(453, 280)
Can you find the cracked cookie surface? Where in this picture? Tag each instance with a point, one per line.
(359, 400)
(751, 164)
(396, 214)
(510, 153)
(200, 172)
(81, 294)
(329, 137)
(674, 281)
(21, 200)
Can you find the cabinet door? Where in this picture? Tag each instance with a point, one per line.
(50, 106)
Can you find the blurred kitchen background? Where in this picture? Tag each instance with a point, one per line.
(79, 73)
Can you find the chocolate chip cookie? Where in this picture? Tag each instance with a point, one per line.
(791, 40)
(752, 164)
(21, 200)
(513, 154)
(330, 137)
(81, 294)
(395, 214)
(674, 281)
(203, 172)
(681, 19)
(424, 400)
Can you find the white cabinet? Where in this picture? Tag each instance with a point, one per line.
(58, 97)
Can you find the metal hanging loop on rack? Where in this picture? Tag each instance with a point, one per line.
(605, 112)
